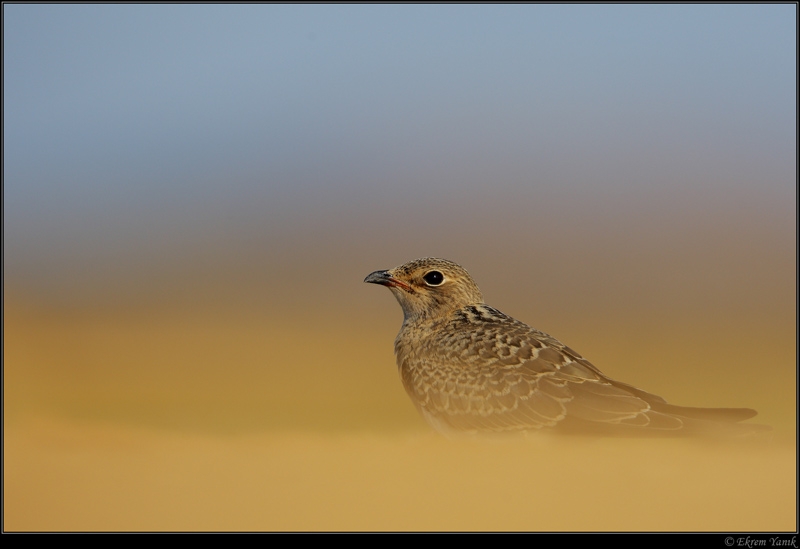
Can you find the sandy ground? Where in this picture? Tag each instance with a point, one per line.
(81, 476)
(171, 422)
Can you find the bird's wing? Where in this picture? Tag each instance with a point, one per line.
(498, 374)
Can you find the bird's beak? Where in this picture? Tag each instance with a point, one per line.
(385, 278)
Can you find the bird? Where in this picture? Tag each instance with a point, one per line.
(471, 370)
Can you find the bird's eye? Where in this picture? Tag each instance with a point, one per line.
(433, 278)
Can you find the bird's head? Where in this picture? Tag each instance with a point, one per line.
(429, 287)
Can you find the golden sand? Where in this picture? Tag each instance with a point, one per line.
(191, 422)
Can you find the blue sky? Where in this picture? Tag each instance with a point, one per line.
(128, 124)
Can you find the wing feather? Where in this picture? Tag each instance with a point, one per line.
(486, 371)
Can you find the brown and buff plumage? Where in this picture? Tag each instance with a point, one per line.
(469, 368)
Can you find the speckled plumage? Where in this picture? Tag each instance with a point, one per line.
(469, 368)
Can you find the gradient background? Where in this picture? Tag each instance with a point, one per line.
(193, 194)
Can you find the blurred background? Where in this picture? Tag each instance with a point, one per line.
(193, 194)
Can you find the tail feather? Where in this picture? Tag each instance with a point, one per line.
(728, 415)
(718, 421)
(722, 415)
